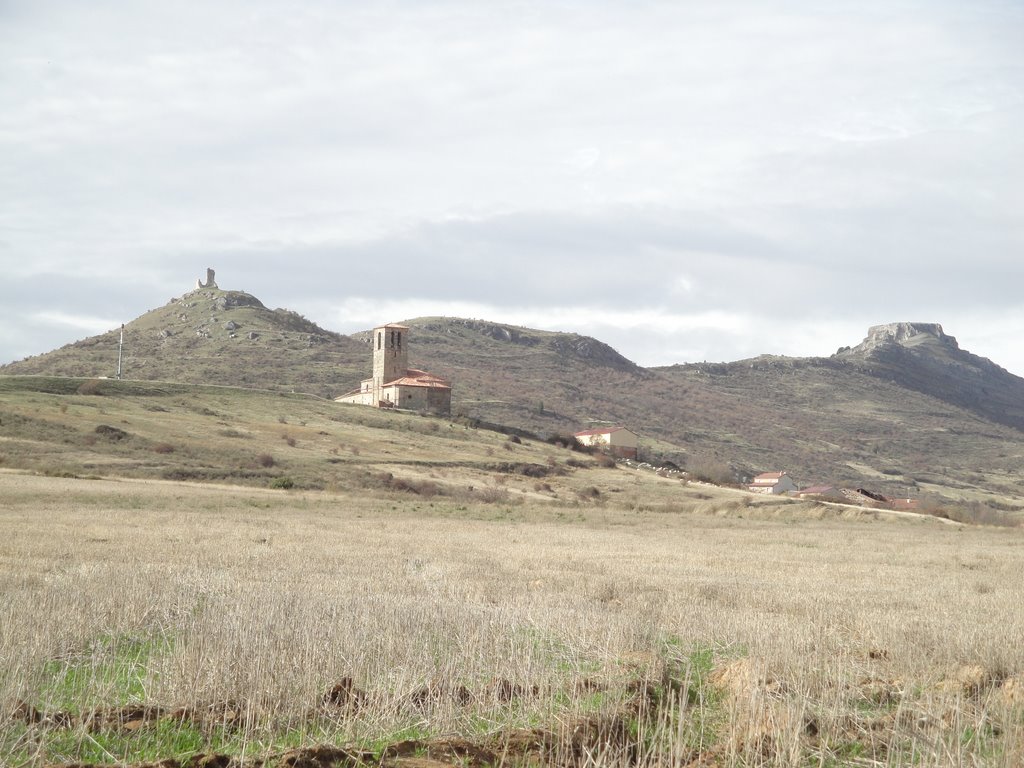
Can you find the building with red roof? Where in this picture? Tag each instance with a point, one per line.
(618, 441)
(393, 383)
(772, 483)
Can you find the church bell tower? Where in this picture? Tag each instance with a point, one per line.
(390, 356)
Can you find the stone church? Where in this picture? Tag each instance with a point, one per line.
(394, 384)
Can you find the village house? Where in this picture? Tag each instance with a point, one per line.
(617, 441)
(772, 483)
(393, 383)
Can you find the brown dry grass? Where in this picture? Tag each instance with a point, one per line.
(763, 641)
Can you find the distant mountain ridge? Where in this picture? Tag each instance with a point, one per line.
(906, 410)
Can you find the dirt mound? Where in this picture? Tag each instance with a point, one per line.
(575, 742)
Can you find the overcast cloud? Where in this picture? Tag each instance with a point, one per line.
(686, 181)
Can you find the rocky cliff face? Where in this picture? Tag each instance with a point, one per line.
(922, 357)
(906, 334)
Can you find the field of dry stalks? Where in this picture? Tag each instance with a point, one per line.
(145, 621)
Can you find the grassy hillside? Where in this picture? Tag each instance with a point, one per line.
(87, 427)
(914, 419)
(211, 336)
(824, 420)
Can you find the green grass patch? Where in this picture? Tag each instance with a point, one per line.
(112, 671)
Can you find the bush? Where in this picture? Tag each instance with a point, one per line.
(491, 495)
(282, 482)
(163, 448)
(265, 460)
(711, 471)
(90, 387)
(425, 488)
(111, 433)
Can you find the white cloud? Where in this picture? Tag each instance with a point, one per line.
(726, 173)
(79, 323)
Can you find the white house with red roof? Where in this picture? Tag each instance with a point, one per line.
(772, 483)
(618, 441)
(394, 384)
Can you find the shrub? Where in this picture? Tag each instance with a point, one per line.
(163, 448)
(282, 482)
(711, 471)
(265, 460)
(289, 439)
(491, 495)
(90, 387)
(111, 433)
(570, 442)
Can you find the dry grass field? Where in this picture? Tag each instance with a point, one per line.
(654, 623)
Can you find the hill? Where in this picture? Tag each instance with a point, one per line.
(213, 336)
(906, 412)
(841, 420)
(921, 357)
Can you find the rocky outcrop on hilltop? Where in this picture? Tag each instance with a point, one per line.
(921, 356)
(900, 333)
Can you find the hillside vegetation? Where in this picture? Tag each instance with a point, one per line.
(906, 413)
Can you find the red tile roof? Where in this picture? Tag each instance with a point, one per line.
(764, 477)
(417, 378)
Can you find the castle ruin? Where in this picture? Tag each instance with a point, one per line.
(210, 282)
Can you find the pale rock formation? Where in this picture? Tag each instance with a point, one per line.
(901, 334)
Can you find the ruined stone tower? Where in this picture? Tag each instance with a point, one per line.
(210, 282)
(390, 356)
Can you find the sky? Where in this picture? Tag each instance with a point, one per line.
(684, 180)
